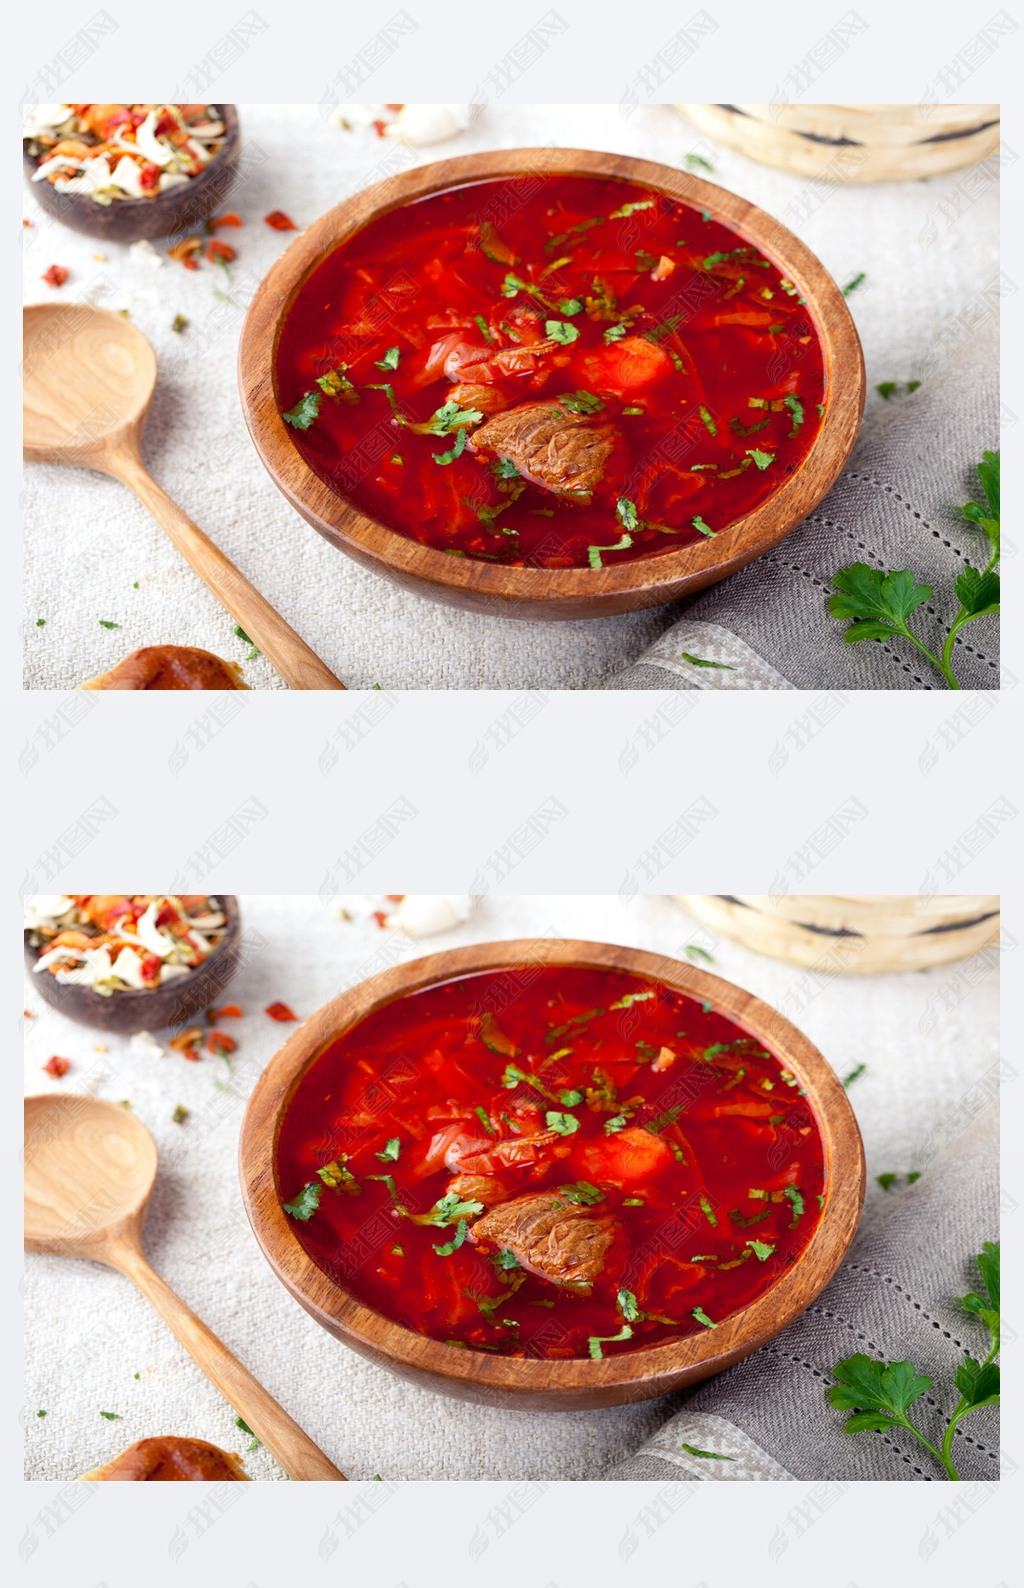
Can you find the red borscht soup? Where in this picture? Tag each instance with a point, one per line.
(565, 1162)
(551, 372)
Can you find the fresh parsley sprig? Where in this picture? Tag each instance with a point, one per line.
(879, 604)
(881, 1394)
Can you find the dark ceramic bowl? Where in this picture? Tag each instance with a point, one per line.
(178, 1003)
(181, 209)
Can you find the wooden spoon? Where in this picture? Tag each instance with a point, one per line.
(90, 1168)
(88, 383)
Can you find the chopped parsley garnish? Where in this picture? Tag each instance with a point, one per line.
(615, 333)
(112, 1417)
(481, 1114)
(564, 1124)
(596, 1341)
(708, 421)
(594, 552)
(854, 1075)
(247, 1430)
(714, 259)
(858, 280)
(341, 1179)
(616, 1123)
(484, 328)
(241, 635)
(793, 1193)
(629, 999)
(453, 452)
(702, 1317)
(631, 209)
(390, 359)
(796, 407)
(105, 623)
(494, 1038)
(581, 402)
(389, 1152)
(506, 1259)
(389, 1181)
(396, 457)
(760, 1250)
(561, 331)
(572, 1098)
(336, 384)
(694, 951)
(626, 513)
(582, 1193)
(456, 1241)
(699, 524)
(305, 411)
(627, 1305)
(569, 306)
(709, 1455)
(180, 1114)
(708, 1211)
(40, 623)
(305, 1204)
(179, 323)
(697, 162)
(762, 459)
(633, 1202)
(700, 661)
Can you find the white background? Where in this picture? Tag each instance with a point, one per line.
(873, 749)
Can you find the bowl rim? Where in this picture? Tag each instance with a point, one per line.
(647, 581)
(648, 1371)
(132, 996)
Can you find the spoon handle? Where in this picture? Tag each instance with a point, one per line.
(290, 1447)
(299, 666)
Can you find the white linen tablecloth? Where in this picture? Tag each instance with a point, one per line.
(929, 1041)
(92, 552)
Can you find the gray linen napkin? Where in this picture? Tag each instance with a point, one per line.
(891, 1299)
(892, 508)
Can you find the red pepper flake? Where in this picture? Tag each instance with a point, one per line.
(224, 220)
(25, 221)
(280, 221)
(381, 917)
(228, 1012)
(57, 1067)
(55, 276)
(186, 251)
(279, 1011)
(28, 1014)
(220, 1042)
(218, 250)
(378, 127)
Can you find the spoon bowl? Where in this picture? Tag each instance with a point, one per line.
(89, 378)
(90, 1169)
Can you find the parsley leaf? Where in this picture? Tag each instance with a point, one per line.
(447, 1210)
(855, 1074)
(627, 1305)
(858, 280)
(710, 1455)
(453, 452)
(564, 1124)
(880, 1395)
(616, 1123)
(597, 1340)
(626, 513)
(390, 1150)
(762, 459)
(615, 333)
(629, 999)
(699, 524)
(760, 1250)
(699, 661)
(389, 361)
(247, 1430)
(305, 411)
(561, 331)
(594, 552)
(702, 1317)
(456, 1241)
(305, 1204)
(631, 209)
(697, 162)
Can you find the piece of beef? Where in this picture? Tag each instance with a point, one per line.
(550, 445)
(559, 1240)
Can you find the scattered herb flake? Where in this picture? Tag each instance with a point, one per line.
(699, 524)
(702, 1317)
(305, 1204)
(390, 359)
(305, 411)
(597, 1340)
(564, 1124)
(858, 280)
(854, 1075)
(700, 661)
(709, 1455)
(390, 1151)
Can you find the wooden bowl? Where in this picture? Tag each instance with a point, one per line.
(548, 1385)
(179, 1003)
(180, 209)
(531, 592)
